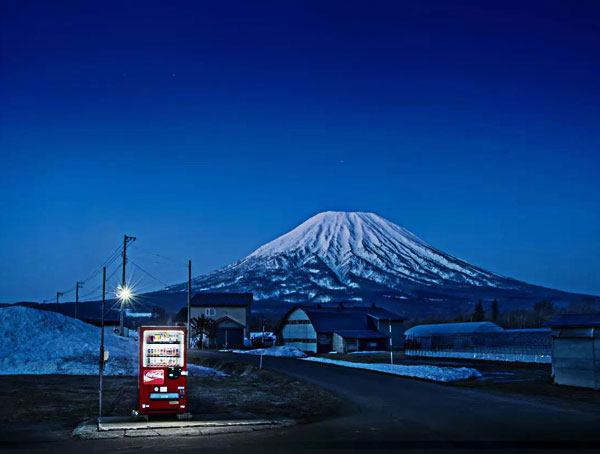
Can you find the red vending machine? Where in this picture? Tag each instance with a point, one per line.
(162, 369)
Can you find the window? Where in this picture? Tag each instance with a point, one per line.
(209, 312)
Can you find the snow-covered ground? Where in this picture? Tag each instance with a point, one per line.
(281, 351)
(43, 342)
(508, 357)
(369, 352)
(444, 374)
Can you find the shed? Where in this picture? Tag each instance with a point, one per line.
(576, 350)
(346, 341)
(230, 333)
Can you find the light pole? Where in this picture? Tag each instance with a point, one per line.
(123, 290)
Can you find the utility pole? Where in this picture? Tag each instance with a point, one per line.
(189, 301)
(58, 294)
(391, 352)
(126, 239)
(101, 364)
(78, 285)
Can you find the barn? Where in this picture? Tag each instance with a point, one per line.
(320, 329)
(576, 350)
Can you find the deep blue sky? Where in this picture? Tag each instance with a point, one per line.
(209, 128)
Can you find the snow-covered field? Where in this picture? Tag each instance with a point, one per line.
(284, 351)
(508, 357)
(43, 342)
(435, 373)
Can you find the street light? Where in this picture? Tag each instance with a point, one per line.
(124, 294)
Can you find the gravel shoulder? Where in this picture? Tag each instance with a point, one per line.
(50, 406)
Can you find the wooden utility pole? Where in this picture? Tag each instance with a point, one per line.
(58, 294)
(126, 239)
(101, 364)
(391, 350)
(78, 285)
(189, 302)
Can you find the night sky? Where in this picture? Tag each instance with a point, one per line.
(209, 128)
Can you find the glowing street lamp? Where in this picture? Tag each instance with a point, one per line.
(124, 294)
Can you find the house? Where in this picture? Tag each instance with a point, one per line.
(320, 329)
(230, 311)
(576, 350)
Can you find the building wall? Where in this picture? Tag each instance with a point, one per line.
(576, 357)
(383, 327)
(338, 343)
(299, 332)
(239, 314)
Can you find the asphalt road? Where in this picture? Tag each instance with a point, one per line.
(390, 414)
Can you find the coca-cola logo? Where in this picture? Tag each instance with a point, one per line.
(154, 376)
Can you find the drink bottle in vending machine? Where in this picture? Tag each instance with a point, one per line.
(162, 370)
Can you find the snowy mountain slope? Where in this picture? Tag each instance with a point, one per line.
(339, 256)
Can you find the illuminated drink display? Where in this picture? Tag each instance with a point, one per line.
(162, 369)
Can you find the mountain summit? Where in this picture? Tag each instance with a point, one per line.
(366, 246)
(362, 257)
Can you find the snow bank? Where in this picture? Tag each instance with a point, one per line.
(508, 357)
(435, 373)
(43, 342)
(285, 351)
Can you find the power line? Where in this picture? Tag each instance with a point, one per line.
(146, 272)
(117, 268)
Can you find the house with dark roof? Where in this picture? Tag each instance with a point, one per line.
(230, 311)
(576, 350)
(320, 329)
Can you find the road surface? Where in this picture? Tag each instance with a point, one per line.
(388, 414)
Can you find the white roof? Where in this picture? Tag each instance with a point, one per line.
(453, 328)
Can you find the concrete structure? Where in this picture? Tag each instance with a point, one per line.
(320, 329)
(576, 350)
(231, 312)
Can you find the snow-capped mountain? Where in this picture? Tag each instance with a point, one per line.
(362, 257)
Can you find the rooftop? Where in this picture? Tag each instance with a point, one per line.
(359, 334)
(574, 320)
(205, 299)
(453, 328)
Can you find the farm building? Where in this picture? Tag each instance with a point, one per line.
(343, 329)
(231, 313)
(479, 340)
(437, 335)
(576, 350)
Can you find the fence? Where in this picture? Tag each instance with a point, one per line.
(533, 345)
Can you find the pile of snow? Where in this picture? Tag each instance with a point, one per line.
(284, 351)
(43, 342)
(435, 373)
